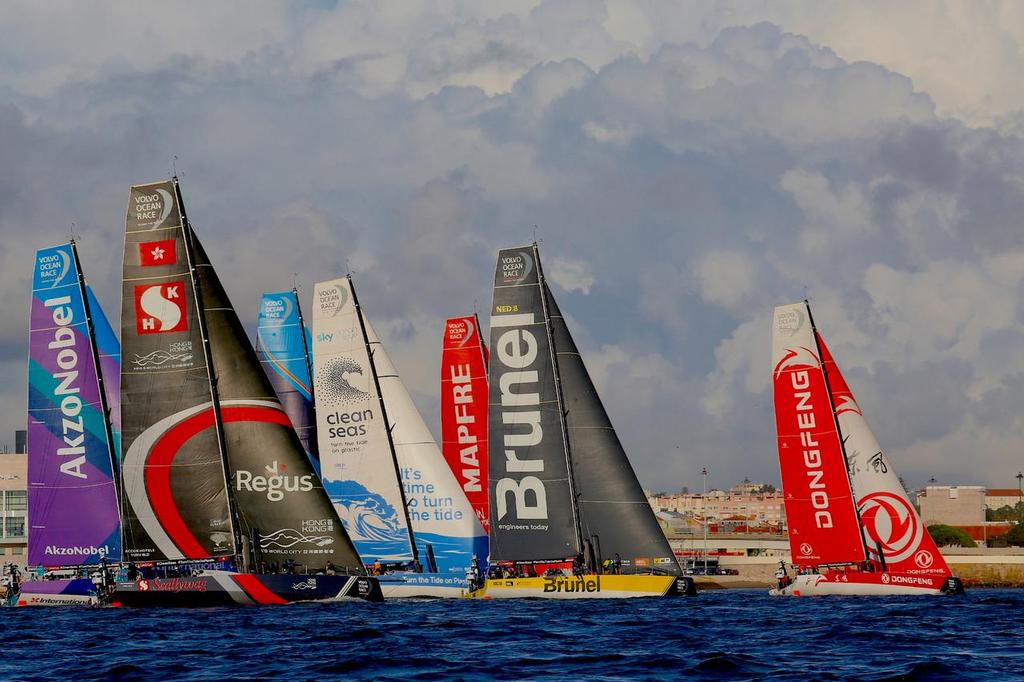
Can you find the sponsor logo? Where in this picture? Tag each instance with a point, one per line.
(801, 356)
(160, 308)
(897, 579)
(516, 368)
(806, 549)
(577, 584)
(885, 578)
(460, 331)
(151, 210)
(162, 252)
(348, 424)
(172, 585)
(309, 584)
(845, 403)
(288, 538)
(53, 268)
(800, 382)
(789, 322)
(275, 483)
(890, 523)
(67, 392)
(332, 299)
(924, 559)
(177, 355)
(515, 269)
(55, 550)
(466, 427)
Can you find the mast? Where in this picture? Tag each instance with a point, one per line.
(104, 405)
(835, 419)
(384, 416)
(186, 231)
(560, 401)
(309, 366)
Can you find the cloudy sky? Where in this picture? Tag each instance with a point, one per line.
(687, 167)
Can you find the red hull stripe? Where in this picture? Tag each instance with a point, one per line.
(161, 458)
(259, 592)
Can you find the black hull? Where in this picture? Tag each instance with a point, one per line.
(223, 588)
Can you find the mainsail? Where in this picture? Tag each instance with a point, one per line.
(72, 495)
(357, 463)
(464, 410)
(445, 528)
(211, 462)
(896, 537)
(820, 511)
(565, 484)
(283, 343)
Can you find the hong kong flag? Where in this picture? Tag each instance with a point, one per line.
(157, 253)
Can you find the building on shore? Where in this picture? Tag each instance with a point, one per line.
(952, 505)
(747, 507)
(14, 505)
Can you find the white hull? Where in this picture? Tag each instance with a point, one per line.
(422, 585)
(878, 585)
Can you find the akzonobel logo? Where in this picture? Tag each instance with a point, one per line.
(273, 481)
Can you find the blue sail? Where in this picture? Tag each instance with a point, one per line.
(282, 342)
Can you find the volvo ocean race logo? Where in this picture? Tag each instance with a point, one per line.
(516, 268)
(890, 523)
(52, 268)
(273, 481)
(276, 310)
(789, 322)
(332, 299)
(151, 209)
(160, 308)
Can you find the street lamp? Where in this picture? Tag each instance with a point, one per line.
(704, 501)
(1020, 491)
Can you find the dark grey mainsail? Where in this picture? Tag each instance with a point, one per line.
(212, 465)
(561, 482)
(532, 511)
(614, 513)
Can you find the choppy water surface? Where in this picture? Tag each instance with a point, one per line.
(737, 634)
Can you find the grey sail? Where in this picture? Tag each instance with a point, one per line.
(614, 513)
(533, 517)
(281, 504)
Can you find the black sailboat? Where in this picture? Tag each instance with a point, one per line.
(221, 504)
(568, 516)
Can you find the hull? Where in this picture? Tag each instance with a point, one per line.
(433, 585)
(69, 592)
(586, 587)
(226, 588)
(867, 584)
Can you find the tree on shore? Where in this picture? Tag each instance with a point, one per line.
(948, 536)
(1014, 538)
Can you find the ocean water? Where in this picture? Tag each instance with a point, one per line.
(735, 634)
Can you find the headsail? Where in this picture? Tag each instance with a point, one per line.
(108, 348)
(533, 514)
(615, 515)
(283, 343)
(895, 535)
(820, 510)
(464, 410)
(72, 496)
(358, 467)
(444, 524)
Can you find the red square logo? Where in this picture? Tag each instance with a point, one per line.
(158, 253)
(160, 308)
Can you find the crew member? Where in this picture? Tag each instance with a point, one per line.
(782, 576)
(617, 564)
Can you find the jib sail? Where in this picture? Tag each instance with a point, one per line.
(357, 463)
(614, 513)
(464, 410)
(283, 343)
(820, 510)
(445, 528)
(72, 496)
(896, 538)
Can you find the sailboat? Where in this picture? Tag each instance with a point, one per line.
(464, 410)
(74, 525)
(400, 503)
(220, 503)
(569, 519)
(283, 343)
(852, 527)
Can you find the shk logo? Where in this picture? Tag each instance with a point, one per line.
(160, 308)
